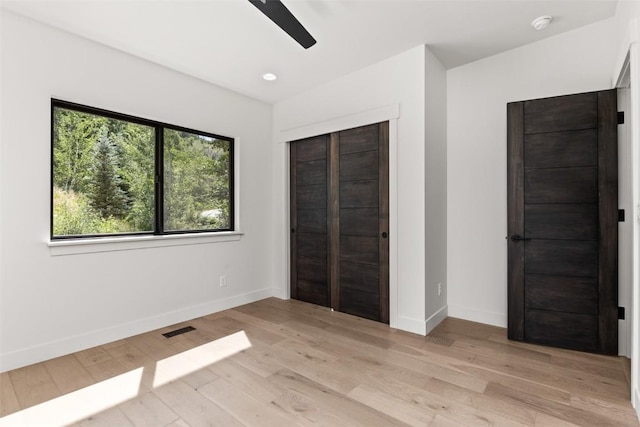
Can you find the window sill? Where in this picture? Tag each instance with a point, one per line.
(110, 244)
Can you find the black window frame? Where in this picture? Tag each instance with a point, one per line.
(159, 127)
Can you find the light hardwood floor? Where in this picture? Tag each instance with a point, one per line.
(281, 363)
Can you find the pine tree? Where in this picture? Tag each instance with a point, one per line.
(106, 187)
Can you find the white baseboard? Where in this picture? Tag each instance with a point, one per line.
(481, 316)
(282, 293)
(415, 326)
(27, 356)
(435, 319)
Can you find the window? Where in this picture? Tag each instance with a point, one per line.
(114, 174)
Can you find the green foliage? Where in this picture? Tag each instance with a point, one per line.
(196, 182)
(106, 187)
(103, 175)
(72, 214)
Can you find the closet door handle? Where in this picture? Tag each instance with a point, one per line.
(384, 234)
(517, 237)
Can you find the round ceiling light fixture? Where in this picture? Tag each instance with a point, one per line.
(269, 77)
(541, 22)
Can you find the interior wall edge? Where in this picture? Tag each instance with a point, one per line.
(435, 319)
(630, 37)
(416, 326)
(39, 353)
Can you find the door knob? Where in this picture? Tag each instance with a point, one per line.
(517, 237)
(384, 234)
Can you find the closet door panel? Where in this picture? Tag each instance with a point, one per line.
(309, 262)
(359, 194)
(359, 222)
(363, 275)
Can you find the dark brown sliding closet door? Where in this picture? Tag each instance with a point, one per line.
(309, 272)
(350, 245)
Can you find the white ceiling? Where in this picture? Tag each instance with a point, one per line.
(231, 43)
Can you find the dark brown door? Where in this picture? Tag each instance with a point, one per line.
(562, 207)
(343, 260)
(309, 240)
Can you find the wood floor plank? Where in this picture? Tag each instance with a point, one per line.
(265, 313)
(33, 384)
(178, 423)
(109, 418)
(258, 359)
(244, 407)
(544, 420)
(504, 351)
(350, 411)
(562, 412)
(314, 364)
(550, 393)
(92, 356)
(553, 351)
(147, 410)
(153, 344)
(255, 332)
(281, 329)
(406, 412)
(415, 387)
(8, 399)
(374, 356)
(570, 380)
(496, 349)
(197, 379)
(107, 369)
(130, 356)
(192, 407)
(68, 374)
(614, 411)
(441, 421)
(246, 381)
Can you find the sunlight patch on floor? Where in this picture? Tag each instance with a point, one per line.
(91, 400)
(80, 404)
(190, 361)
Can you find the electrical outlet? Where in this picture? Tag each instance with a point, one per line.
(439, 289)
(223, 281)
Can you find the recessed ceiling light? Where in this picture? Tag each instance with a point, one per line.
(541, 22)
(269, 77)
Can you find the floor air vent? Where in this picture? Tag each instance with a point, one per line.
(179, 331)
(440, 340)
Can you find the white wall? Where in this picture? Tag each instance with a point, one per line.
(52, 305)
(577, 61)
(435, 189)
(397, 80)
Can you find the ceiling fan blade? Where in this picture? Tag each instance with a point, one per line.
(280, 15)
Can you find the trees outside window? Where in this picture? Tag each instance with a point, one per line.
(114, 174)
(196, 181)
